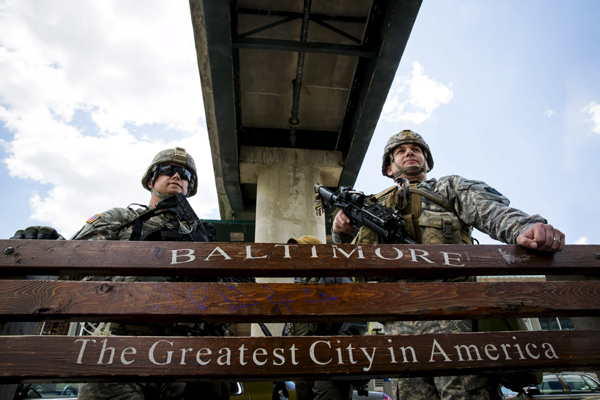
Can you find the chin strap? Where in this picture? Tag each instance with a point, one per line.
(411, 171)
(157, 193)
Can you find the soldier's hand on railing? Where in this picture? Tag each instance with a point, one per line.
(542, 237)
(38, 232)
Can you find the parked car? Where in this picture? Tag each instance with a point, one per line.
(563, 385)
(47, 391)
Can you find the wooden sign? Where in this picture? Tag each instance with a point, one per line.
(112, 358)
(60, 257)
(97, 358)
(184, 301)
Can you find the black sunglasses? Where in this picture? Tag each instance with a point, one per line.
(170, 170)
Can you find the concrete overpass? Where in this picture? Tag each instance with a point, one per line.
(292, 92)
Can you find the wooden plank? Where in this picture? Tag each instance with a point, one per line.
(59, 257)
(92, 358)
(247, 302)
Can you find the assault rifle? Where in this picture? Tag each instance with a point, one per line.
(383, 221)
(200, 231)
(179, 205)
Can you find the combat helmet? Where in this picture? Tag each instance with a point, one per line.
(178, 156)
(404, 137)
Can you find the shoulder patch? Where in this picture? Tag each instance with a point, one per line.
(93, 218)
(493, 191)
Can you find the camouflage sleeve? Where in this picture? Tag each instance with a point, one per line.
(341, 237)
(366, 236)
(106, 225)
(483, 207)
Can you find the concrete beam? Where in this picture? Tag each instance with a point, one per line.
(212, 37)
(254, 159)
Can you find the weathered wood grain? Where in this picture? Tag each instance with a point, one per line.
(59, 257)
(247, 302)
(65, 358)
(90, 358)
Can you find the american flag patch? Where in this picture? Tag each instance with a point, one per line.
(93, 218)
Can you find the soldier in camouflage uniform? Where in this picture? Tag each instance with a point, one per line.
(172, 171)
(324, 390)
(444, 211)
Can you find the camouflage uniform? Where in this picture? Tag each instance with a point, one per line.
(461, 205)
(116, 224)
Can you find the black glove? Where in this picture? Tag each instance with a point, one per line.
(37, 232)
(280, 391)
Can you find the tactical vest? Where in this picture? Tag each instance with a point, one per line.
(173, 231)
(424, 224)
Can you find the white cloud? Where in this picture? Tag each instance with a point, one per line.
(594, 110)
(123, 64)
(414, 98)
(91, 174)
(134, 63)
(583, 240)
(549, 113)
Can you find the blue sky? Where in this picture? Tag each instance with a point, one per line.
(522, 113)
(505, 92)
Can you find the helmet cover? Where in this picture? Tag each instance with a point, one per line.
(177, 156)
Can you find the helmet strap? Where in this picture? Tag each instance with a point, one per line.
(158, 194)
(191, 185)
(411, 172)
(154, 191)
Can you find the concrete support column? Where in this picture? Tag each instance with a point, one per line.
(285, 198)
(285, 203)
